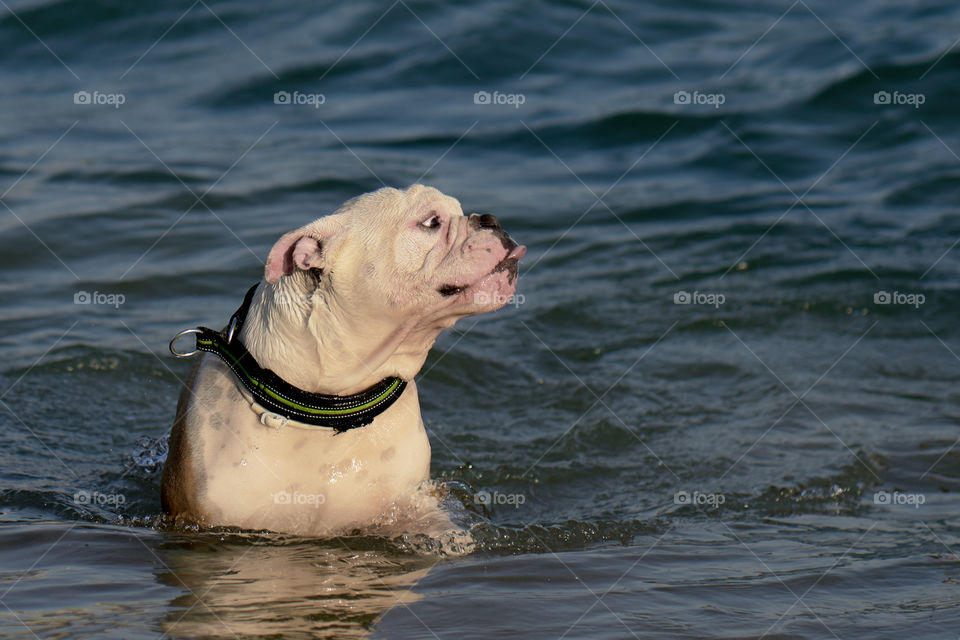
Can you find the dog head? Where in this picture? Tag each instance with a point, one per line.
(396, 250)
(394, 262)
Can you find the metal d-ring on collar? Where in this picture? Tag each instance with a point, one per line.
(231, 329)
(177, 337)
(279, 396)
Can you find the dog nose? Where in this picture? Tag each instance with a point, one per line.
(485, 221)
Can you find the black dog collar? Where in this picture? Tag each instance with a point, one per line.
(272, 392)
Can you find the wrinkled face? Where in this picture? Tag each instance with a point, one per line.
(397, 251)
(463, 262)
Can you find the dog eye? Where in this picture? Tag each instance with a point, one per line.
(431, 223)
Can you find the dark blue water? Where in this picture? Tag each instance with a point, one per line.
(776, 458)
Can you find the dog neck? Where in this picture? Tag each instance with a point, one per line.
(313, 343)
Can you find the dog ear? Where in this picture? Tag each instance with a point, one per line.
(301, 249)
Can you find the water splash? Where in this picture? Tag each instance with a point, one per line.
(150, 453)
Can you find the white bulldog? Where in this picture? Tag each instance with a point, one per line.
(347, 301)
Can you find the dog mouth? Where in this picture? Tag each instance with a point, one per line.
(510, 264)
(448, 290)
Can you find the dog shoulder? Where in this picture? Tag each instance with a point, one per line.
(179, 480)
